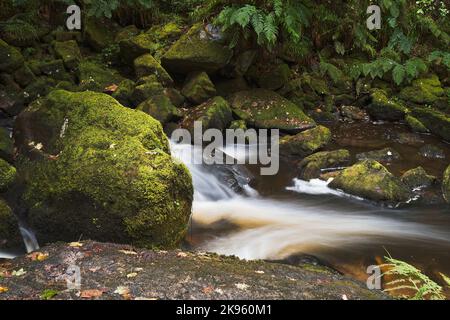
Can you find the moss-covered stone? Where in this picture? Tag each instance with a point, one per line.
(146, 88)
(6, 145)
(423, 91)
(24, 76)
(263, 108)
(446, 184)
(124, 92)
(38, 88)
(54, 69)
(311, 167)
(198, 87)
(214, 114)
(306, 142)
(10, 58)
(161, 108)
(126, 33)
(227, 87)
(100, 170)
(417, 178)
(63, 35)
(371, 180)
(166, 31)
(383, 155)
(7, 175)
(96, 77)
(137, 46)
(98, 33)
(270, 77)
(415, 125)
(194, 52)
(9, 228)
(175, 96)
(435, 121)
(69, 52)
(383, 108)
(146, 65)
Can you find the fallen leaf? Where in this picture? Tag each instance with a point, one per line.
(93, 293)
(241, 286)
(75, 244)
(344, 297)
(123, 291)
(112, 88)
(38, 256)
(132, 275)
(182, 254)
(48, 294)
(259, 272)
(208, 290)
(18, 273)
(3, 289)
(128, 252)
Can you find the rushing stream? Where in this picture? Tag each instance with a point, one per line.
(285, 216)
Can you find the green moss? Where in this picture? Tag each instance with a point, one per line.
(306, 142)
(24, 76)
(423, 91)
(137, 46)
(146, 65)
(69, 52)
(446, 184)
(10, 58)
(161, 108)
(418, 177)
(311, 167)
(96, 77)
(383, 108)
(192, 52)
(6, 144)
(415, 125)
(103, 171)
(167, 31)
(266, 109)
(38, 88)
(9, 229)
(126, 33)
(175, 96)
(124, 92)
(7, 175)
(198, 87)
(371, 180)
(54, 69)
(98, 33)
(146, 88)
(437, 122)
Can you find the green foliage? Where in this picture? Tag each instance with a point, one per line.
(440, 57)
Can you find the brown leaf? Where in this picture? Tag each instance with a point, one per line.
(3, 289)
(38, 256)
(112, 88)
(93, 293)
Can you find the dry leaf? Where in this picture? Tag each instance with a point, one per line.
(208, 290)
(182, 254)
(94, 293)
(123, 291)
(241, 286)
(3, 289)
(128, 252)
(75, 244)
(132, 275)
(38, 256)
(18, 273)
(112, 88)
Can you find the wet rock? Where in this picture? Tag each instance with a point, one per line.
(383, 108)
(417, 178)
(432, 152)
(9, 228)
(312, 166)
(306, 142)
(124, 92)
(146, 65)
(161, 108)
(94, 76)
(266, 109)
(410, 139)
(423, 91)
(214, 114)
(69, 52)
(7, 175)
(194, 52)
(10, 58)
(383, 155)
(437, 122)
(354, 113)
(270, 77)
(446, 184)
(198, 87)
(415, 125)
(91, 166)
(146, 88)
(371, 180)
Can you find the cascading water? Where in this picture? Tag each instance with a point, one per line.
(275, 229)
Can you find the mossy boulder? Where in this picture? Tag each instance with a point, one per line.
(96, 77)
(446, 184)
(383, 155)
(54, 69)
(6, 145)
(423, 91)
(198, 87)
(383, 108)
(272, 77)
(213, 114)
(266, 109)
(415, 125)
(37, 88)
(7, 175)
(98, 33)
(417, 178)
(175, 96)
(124, 92)
(196, 52)
(136, 46)
(9, 228)
(166, 31)
(435, 121)
(24, 76)
(92, 167)
(69, 52)
(145, 89)
(146, 65)
(161, 108)
(10, 58)
(311, 167)
(227, 87)
(306, 142)
(126, 33)
(371, 180)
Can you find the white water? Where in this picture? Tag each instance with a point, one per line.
(273, 229)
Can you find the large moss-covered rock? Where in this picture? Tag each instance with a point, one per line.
(415, 125)
(54, 69)
(92, 167)
(136, 46)
(7, 175)
(383, 108)
(195, 51)
(446, 184)
(311, 167)
(161, 108)
(417, 178)
(198, 87)
(10, 58)
(69, 52)
(96, 77)
(306, 142)
(437, 122)
(371, 180)
(263, 108)
(146, 65)
(423, 91)
(9, 228)
(98, 33)
(213, 114)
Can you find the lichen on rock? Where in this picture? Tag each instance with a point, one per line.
(306, 142)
